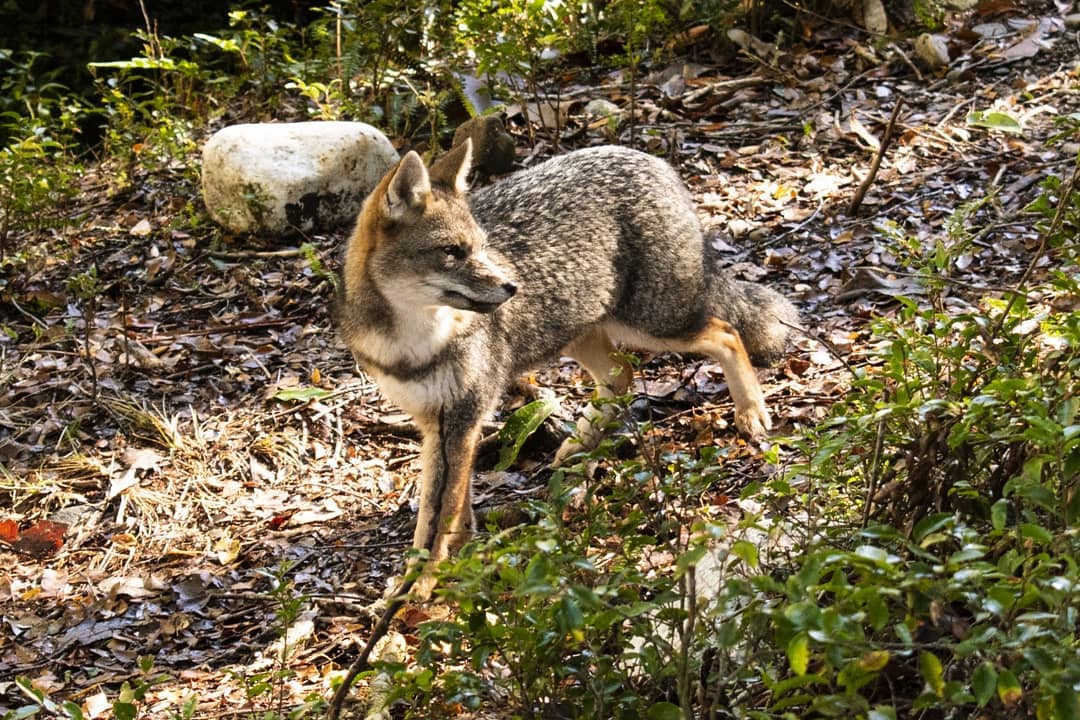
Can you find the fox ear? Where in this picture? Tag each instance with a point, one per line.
(452, 169)
(408, 190)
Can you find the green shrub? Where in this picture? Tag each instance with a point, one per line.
(39, 124)
(920, 557)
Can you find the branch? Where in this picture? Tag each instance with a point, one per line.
(885, 140)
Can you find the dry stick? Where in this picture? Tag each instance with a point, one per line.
(218, 329)
(885, 140)
(360, 664)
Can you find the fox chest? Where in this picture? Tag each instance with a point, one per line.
(421, 396)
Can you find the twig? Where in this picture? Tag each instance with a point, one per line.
(904, 56)
(33, 318)
(869, 179)
(875, 473)
(248, 254)
(777, 238)
(362, 662)
(976, 287)
(239, 327)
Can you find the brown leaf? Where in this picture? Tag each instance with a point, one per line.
(9, 530)
(42, 539)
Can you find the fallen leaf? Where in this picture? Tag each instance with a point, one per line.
(141, 228)
(42, 539)
(132, 586)
(9, 531)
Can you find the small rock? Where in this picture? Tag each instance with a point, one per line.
(600, 108)
(308, 176)
(1072, 21)
(933, 50)
(874, 18)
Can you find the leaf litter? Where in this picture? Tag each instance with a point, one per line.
(166, 446)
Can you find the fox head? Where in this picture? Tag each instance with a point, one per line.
(417, 242)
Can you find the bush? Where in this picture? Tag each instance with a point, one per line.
(921, 557)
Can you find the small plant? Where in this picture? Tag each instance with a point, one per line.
(963, 440)
(38, 123)
(128, 704)
(637, 21)
(270, 685)
(317, 267)
(510, 41)
(86, 288)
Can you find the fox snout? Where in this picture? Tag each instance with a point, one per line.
(480, 297)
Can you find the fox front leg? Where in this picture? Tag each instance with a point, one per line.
(596, 352)
(445, 521)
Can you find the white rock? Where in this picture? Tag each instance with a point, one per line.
(602, 108)
(273, 177)
(874, 18)
(933, 50)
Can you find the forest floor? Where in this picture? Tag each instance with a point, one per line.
(176, 430)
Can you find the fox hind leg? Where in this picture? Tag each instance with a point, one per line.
(720, 341)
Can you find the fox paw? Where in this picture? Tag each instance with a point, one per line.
(753, 422)
(591, 428)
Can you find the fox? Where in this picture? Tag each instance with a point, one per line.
(448, 297)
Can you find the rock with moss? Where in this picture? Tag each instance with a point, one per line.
(277, 178)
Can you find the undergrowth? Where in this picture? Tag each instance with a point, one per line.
(919, 558)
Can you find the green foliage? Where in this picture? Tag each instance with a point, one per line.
(128, 705)
(569, 618)
(920, 559)
(316, 266)
(37, 174)
(510, 37)
(152, 103)
(269, 687)
(964, 436)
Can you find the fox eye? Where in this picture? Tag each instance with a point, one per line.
(455, 251)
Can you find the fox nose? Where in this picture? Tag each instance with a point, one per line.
(510, 289)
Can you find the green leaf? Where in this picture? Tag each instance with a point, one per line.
(881, 712)
(125, 710)
(931, 524)
(73, 711)
(932, 672)
(873, 554)
(798, 653)
(994, 121)
(984, 682)
(999, 514)
(1067, 703)
(747, 552)
(568, 615)
(664, 711)
(303, 394)
(689, 559)
(1008, 688)
(1036, 533)
(519, 426)
(874, 660)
